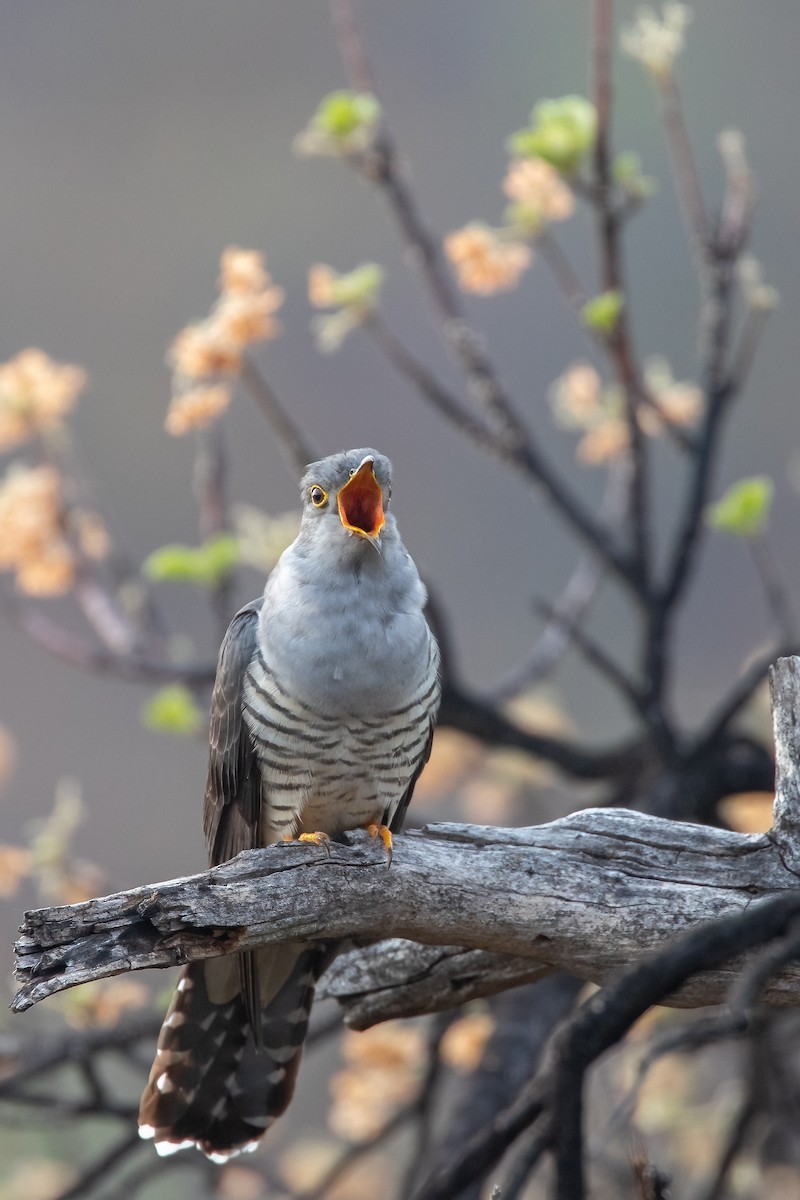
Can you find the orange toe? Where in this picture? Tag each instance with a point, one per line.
(384, 833)
(318, 839)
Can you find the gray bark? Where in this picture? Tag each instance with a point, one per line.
(487, 907)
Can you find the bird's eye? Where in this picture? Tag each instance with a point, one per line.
(318, 496)
(353, 471)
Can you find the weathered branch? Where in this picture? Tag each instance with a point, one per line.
(398, 978)
(784, 682)
(586, 894)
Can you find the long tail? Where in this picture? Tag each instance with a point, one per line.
(211, 1085)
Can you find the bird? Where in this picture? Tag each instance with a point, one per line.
(322, 716)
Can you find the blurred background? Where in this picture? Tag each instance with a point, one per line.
(137, 141)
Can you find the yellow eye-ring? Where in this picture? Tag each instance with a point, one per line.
(318, 496)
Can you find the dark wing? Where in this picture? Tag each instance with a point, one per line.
(233, 790)
(400, 812)
(231, 814)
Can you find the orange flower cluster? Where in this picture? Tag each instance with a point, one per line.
(607, 440)
(196, 408)
(243, 314)
(15, 864)
(539, 194)
(579, 401)
(353, 296)
(464, 1043)
(35, 393)
(322, 286)
(32, 538)
(486, 262)
(90, 530)
(381, 1073)
(677, 402)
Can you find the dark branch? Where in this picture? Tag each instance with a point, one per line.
(297, 450)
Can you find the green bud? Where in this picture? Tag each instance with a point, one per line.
(627, 171)
(561, 132)
(744, 509)
(342, 113)
(602, 313)
(524, 218)
(523, 144)
(359, 288)
(172, 710)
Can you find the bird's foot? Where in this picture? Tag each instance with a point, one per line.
(319, 839)
(385, 834)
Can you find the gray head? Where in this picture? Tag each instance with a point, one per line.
(345, 499)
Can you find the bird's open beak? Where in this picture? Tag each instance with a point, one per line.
(361, 503)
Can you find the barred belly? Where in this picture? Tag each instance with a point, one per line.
(327, 772)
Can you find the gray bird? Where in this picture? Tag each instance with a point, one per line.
(322, 716)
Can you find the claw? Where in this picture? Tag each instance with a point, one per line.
(385, 834)
(319, 839)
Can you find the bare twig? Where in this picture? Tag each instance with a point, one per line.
(293, 444)
(749, 341)
(569, 282)
(524, 1019)
(75, 650)
(780, 605)
(156, 1166)
(619, 339)
(713, 1189)
(739, 695)
(351, 45)
(103, 614)
(490, 1143)
(481, 719)
(380, 166)
(431, 390)
(98, 1171)
(576, 295)
(607, 1016)
(353, 1153)
(423, 1107)
(721, 382)
(594, 654)
(568, 610)
(570, 606)
(27, 1060)
(210, 489)
(684, 168)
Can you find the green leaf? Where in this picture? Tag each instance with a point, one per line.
(602, 313)
(219, 557)
(172, 710)
(561, 132)
(744, 509)
(204, 566)
(359, 288)
(173, 563)
(341, 113)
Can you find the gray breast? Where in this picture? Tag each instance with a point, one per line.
(340, 759)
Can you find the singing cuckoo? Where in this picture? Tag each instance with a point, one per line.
(322, 715)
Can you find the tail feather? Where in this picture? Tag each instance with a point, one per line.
(212, 1085)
